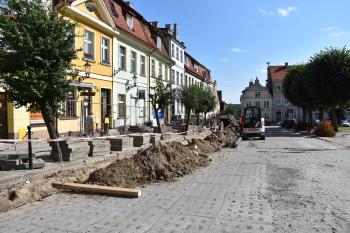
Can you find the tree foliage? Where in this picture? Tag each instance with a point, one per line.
(163, 96)
(188, 96)
(36, 50)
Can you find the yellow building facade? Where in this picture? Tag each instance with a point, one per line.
(94, 65)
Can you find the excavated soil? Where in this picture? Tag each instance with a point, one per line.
(161, 162)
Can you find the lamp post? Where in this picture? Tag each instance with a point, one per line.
(128, 87)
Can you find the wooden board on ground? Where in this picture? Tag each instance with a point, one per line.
(98, 189)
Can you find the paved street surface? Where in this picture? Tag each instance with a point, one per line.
(288, 183)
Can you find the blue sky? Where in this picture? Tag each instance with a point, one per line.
(235, 38)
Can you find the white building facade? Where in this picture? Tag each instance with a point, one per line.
(257, 95)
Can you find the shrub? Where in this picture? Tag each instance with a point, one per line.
(324, 129)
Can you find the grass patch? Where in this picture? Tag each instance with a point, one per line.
(344, 128)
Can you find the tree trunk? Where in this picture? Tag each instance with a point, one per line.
(197, 116)
(334, 119)
(49, 122)
(188, 113)
(205, 119)
(311, 121)
(321, 113)
(158, 122)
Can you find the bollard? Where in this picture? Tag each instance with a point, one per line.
(30, 152)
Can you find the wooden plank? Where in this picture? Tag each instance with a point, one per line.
(98, 189)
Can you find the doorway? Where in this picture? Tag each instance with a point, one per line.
(105, 104)
(278, 117)
(3, 116)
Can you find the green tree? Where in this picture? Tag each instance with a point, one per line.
(188, 96)
(206, 102)
(329, 80)
(36, 50)
(296, 91)
(163, 95)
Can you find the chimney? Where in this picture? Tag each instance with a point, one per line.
(130, 4)
(251, 83)
(175, 30)
(154, 24)
(286, 64)
(167, 28)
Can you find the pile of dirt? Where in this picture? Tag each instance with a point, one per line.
(161, 162)
(206, 146)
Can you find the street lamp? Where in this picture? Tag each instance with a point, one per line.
(128, 87)
(87, 68)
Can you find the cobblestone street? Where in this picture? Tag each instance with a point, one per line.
(288, 183)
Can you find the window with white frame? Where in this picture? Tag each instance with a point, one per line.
(89, 43)
(121, 106)
(143, 65)
(177, 53)
(129, 21)
(105, 50)
(133, 62)
(153, 68)
(165, 73)
(160, 70)
(173, 76)
(69, 106)
(159, 42)
(181, 79)
(181, 56)
(177, 78)
(186, 80)
(122, 57)
(172, 50)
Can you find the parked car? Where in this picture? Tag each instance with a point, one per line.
(345, 123)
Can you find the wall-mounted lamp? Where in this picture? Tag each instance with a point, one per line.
(87, 68)
(128, 86)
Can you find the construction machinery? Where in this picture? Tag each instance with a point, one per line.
(252, 123)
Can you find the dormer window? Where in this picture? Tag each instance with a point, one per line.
(196, 68)
(129, 21)
(159, 42)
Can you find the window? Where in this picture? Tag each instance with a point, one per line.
(196, 67)
(89, 45)
(160, 70)
(121, 105)
(182, 79)
(129, 21)
(153, 68)
(105, 50)
(177, 77)
(143, 65)
(133, 62)
(122, 57)
(177, 53)
(257, 104)
(159, 42)
(181, 56)
(257, 94)
(186, 80)
(173, 76)
(166, 73)
(172, 50)
(69, 107)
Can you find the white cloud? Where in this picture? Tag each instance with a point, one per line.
(285, 11)
(334, 31)
(223, 59)
(237, 50)
(337, 34)
(265, 12)
(263, 70)
(328, 29)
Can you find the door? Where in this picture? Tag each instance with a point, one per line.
(278, 117)
(105, 104)
(3, 116)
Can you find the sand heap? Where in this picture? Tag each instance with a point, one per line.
(161, 162)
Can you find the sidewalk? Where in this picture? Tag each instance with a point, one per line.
(32, 185)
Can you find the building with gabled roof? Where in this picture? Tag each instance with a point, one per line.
(282, 109)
